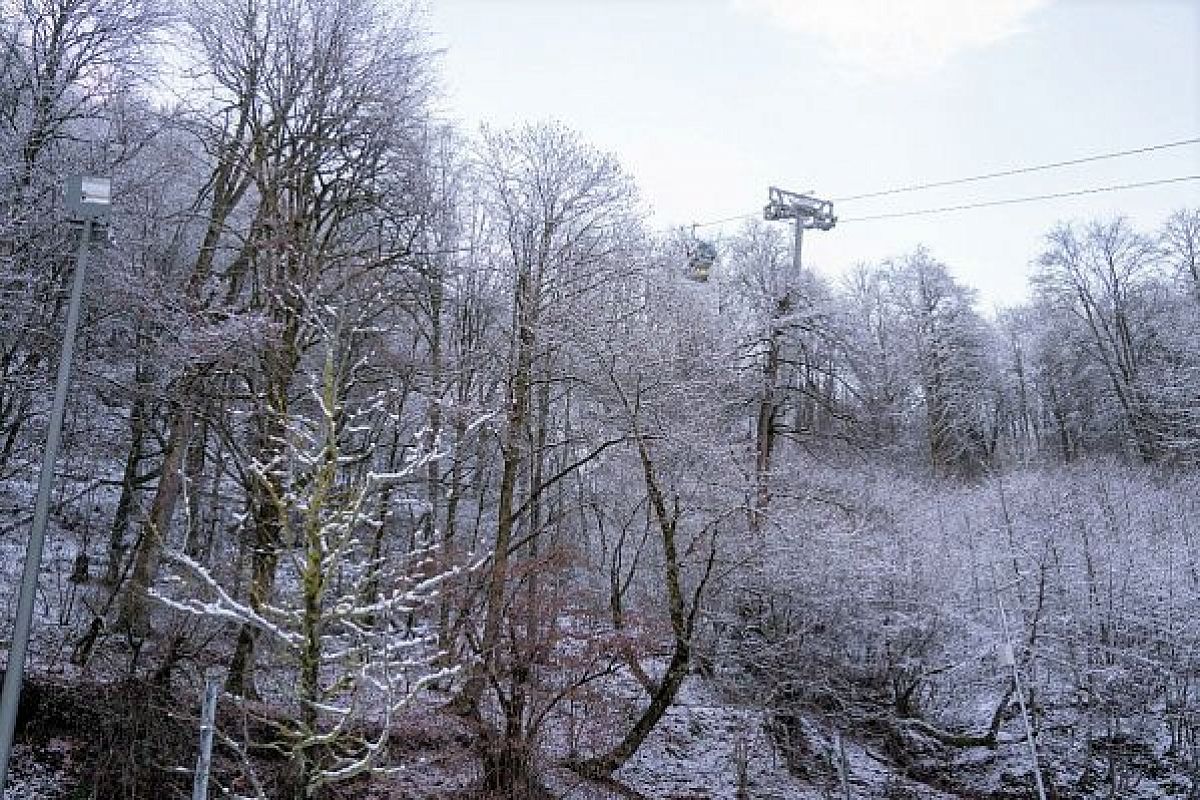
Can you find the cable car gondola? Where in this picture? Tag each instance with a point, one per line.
(701, 256)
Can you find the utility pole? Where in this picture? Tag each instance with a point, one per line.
(88, 202)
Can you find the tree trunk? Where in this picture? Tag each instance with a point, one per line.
(157, 527)
(279, 366)
(682, 623)
(120, 523)
(512, 456)
(194, 471)
(764, 434)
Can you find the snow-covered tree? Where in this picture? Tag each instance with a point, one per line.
(342, 619)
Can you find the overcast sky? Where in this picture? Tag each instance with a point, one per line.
(708, 102)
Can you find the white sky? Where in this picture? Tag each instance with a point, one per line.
(708, 102)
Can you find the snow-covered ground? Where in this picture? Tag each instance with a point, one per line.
(42, 772)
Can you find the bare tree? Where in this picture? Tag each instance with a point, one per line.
(356, 667)
(949, 342)
(559, 211)
(1181, 243)
(1104, 277)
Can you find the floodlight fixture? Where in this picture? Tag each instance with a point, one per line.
(89, 198)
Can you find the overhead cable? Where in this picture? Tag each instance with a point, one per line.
(987, 176)
(1027, 199)
(1019, 170)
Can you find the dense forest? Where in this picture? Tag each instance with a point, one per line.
(430, 446)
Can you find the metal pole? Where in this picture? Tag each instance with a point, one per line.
(1020, 690)
(14, 671)
(208, 722)
(843, 765)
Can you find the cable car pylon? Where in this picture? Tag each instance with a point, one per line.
(806, 211)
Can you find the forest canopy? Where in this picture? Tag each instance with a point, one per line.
(382, 418)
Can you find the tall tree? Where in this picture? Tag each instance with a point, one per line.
(1104, 277)
(560, 212)
(949, 344)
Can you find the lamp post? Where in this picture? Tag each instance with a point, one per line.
(88, 201)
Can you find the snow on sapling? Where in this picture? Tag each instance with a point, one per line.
(356, 661)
